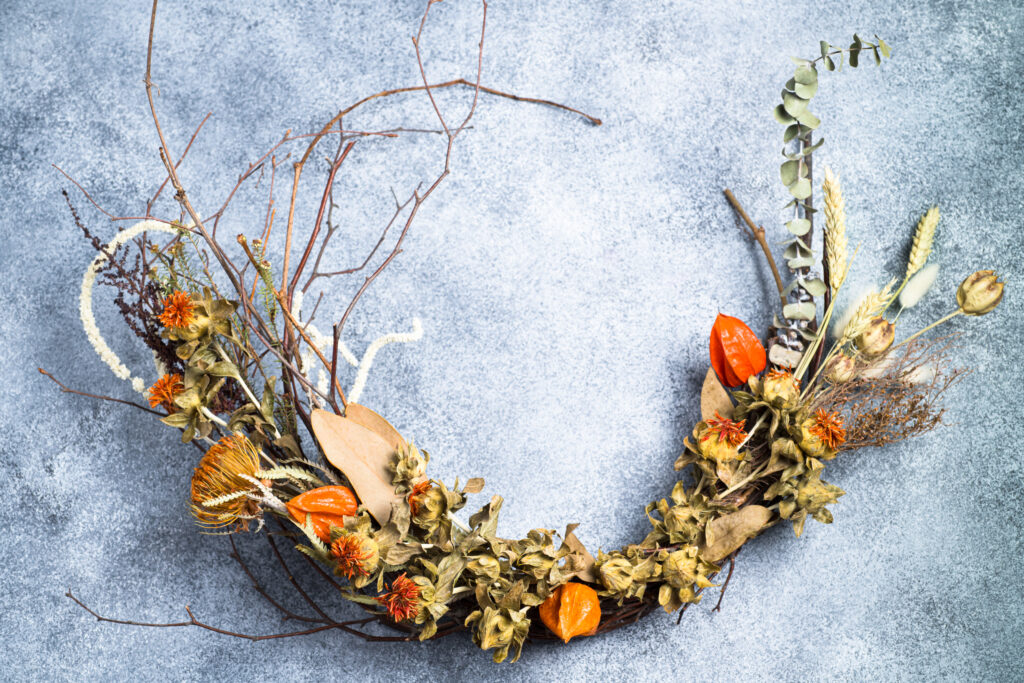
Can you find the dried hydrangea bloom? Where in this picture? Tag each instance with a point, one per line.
(164, 391)
(179, 311)
(222, 480)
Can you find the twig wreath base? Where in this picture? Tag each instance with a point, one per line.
(248, 377)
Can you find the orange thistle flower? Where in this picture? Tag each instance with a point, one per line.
(179, 311)
(355, 555)
(220, 477)
(728, 431)
(829, 428)
(413, 499)
(402, 601)
(783, 374)
(164, 392)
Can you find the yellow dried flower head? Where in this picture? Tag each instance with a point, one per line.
(219, 485)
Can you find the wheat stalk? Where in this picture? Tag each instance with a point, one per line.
(835, 231)
(871, 306)
(923, 238)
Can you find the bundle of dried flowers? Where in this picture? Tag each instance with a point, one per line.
(236, 355)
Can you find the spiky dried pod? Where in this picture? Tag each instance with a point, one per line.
(923, 238)
(835, 230)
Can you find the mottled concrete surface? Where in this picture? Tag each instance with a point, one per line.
(566, 275)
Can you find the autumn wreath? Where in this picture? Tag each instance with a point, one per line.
(249, 380)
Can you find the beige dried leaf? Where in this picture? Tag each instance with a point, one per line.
(584, 561)
(714, 397)
(365, 417)
(731, 531)
(363, 456)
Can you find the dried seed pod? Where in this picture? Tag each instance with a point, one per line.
(877, 337)
(979, 293)
(326, 506)
(736, 352)
(573, 609)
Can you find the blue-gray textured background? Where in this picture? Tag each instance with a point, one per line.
(567, 277)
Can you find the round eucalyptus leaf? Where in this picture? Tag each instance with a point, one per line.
(801, 189)
(781, 116)
(798, 226)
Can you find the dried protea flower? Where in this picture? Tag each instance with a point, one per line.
(222, 482)
(822, 434)
(781, 389)
(403, 598)
(164, 391)
(979, 293)
(616, 574)
(876, 337)
(356, 555)
(719, 439)
(841, 369)
(179, 311)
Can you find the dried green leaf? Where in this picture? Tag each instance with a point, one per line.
(799, 311)
(731, 531)
(798, 226)
(780, 115)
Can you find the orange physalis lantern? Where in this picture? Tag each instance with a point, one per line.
(571, 610)
(736, 352)
(326, 506)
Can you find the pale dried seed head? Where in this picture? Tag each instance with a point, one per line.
(923, 238)
(835, 230)
(871, 306)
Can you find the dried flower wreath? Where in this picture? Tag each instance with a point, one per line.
(352, 494)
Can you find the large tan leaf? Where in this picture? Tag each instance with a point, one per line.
(729, 532)
(363, 456)
(365, 417)
(714, 397)
(583, 562)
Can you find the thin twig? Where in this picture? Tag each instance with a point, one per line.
(67, 390)
(758, 233)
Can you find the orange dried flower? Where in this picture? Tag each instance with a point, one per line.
(221, 474)
(402, 600)
(165, 391)
(179, 311)
(829, 428)
(728, 431)
(782, 374)
(356, 555)
(414, 496)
